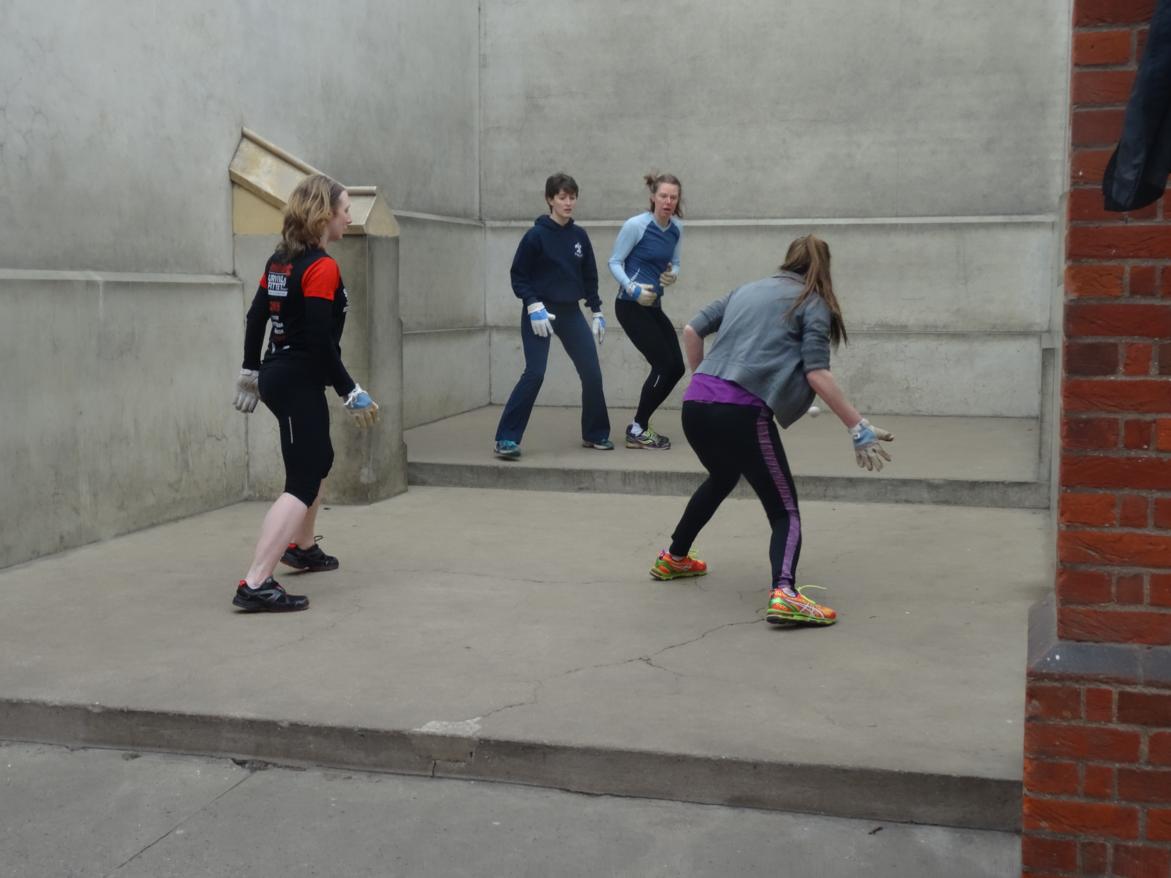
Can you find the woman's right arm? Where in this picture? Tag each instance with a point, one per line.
(623, 244)
(527, 251)
(254, 325)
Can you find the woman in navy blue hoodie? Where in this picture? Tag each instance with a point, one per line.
(554, 269)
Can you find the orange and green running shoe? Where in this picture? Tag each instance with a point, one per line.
(666, 567)
(784, 607)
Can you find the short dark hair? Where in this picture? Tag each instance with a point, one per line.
(560, 183)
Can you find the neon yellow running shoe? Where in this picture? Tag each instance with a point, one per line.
(798, 608)
(666, 567)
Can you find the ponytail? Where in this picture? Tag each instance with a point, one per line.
(809, 257)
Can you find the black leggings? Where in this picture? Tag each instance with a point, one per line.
(733, 441)
(652, 333)
(298, 401)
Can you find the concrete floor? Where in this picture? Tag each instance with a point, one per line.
(516, 635)
(104, 814)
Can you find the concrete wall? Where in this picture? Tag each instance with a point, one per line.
(936, 327)
(123, 323)
(445, 339)
(924, 141)
(116, 409)
(118, 120)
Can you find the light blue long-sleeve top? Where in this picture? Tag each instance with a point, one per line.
(642, 251)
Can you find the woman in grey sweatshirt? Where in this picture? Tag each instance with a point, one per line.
(770, 359)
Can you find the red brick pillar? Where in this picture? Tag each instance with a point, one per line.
(1097, 772)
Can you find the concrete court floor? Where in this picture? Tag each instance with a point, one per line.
(105, 814)
(530, 617)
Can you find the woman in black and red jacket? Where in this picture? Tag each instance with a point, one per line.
(301, 293)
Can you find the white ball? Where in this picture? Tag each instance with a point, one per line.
(814, 411)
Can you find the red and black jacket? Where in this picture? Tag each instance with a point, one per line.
(307, 303)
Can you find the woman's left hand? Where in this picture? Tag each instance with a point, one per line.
(667, 278)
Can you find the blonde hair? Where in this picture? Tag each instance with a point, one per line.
(310, 207)
(653, 181)
(809, 256)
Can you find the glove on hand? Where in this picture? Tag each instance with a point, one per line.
(247, 391)
(667, 278)
(363, 409)
(540, 319)
(644, 294)
(867, 451)
(599, 327)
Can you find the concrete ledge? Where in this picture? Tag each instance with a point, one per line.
(1000, 460)
(905, 797)
(1049, 656)
(948, 492)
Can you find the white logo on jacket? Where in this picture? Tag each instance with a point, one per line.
(577, 250)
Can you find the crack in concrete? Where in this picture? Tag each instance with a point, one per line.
(532, 699)
(703, 635)
(184, 820)
(648, 660)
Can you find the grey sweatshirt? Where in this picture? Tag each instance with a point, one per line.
(762, 350)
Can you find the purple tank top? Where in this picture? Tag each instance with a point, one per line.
(709, 388)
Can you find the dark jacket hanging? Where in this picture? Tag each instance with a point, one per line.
(1137, 173)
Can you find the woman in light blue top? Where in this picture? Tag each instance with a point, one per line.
(645, 261)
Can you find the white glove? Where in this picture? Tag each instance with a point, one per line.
(363, 409)
(540, 320)
(599, 327)
(667, 278)
(247, 391)
(644, 294)
(867, 451)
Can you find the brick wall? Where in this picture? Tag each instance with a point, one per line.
(1114, 544)
(1097, 769)
(1097, 779)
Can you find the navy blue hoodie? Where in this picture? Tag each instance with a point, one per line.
(555, 264)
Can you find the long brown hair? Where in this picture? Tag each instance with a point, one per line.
(653, 181)
(809, 256)
(310, 207)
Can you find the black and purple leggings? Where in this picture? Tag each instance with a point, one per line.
(733, 441)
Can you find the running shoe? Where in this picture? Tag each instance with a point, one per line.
(797, 608)
(312, 559)
(270, 597)
(648, 438)
(506, 449)
(666, 567)
(600, 444)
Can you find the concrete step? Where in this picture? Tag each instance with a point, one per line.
(937, 460)
(184, 816)
(516, 636)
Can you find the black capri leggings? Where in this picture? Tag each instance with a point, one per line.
(298, 401)
(651, 332)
